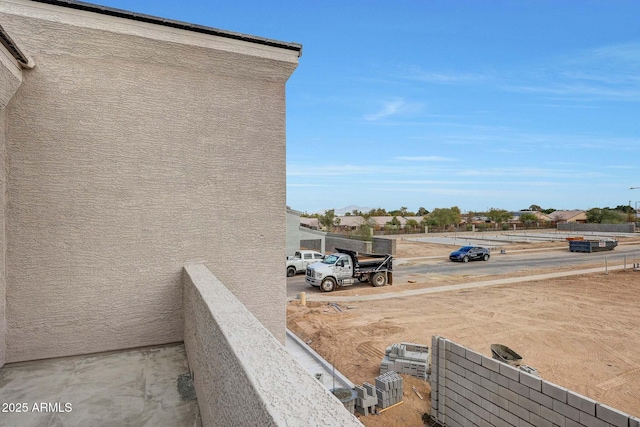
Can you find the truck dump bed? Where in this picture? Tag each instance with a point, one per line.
(372, 263)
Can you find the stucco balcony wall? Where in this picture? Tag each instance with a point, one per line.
(130, 149)
(241, 373)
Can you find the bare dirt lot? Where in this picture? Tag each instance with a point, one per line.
(582, 332)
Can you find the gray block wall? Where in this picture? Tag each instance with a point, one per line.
(469, 389)
(382, 245)
(312, 239)
(602, 228)
(333, 241)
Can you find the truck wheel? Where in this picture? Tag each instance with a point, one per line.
(378, 279)
(291, 271)
(485, 257)
(465, 259)
(328, 284)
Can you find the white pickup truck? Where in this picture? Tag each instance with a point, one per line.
(344, 269)
(300, 260)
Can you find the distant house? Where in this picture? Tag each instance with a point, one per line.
(351, 222)
(541, 217)
(381, 221)
(568, 216)
(417, 219)
(311, 223)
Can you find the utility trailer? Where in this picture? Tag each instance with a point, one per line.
(592, 245)
(343, 268)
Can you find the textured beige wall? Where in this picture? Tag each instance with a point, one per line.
(128, 157)
(3, 317)
(242, 375)
(10, 80)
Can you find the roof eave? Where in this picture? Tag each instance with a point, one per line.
(120, 13)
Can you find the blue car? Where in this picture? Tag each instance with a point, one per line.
(470, 253)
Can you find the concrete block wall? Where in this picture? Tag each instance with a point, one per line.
(602, 228)
(312, 239)
(382, 245)
(334, 241)
(406, 358)
(469, 389)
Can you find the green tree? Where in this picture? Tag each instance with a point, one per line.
(394, 224)
(378, 212)
(412, 224)
(605, 216)
(528, 218)
(499, 215)
(365, 232)
(548, 211)
(422, 211)
(536, 208)
(329, 220)
(444, 217)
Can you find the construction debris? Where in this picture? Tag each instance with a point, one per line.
(417, 392)
(406, 358)
(389, 407)
(336, 306)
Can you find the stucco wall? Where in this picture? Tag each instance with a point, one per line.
(10, 80)
(242, 375)
(133, 149)
(293, 233)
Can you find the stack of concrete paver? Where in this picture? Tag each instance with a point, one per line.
(388, 389)
(406, 358)
(386, 392)
(367, 400)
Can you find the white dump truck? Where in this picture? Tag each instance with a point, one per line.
(300, 260)
(343, 268)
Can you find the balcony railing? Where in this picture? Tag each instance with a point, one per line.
(242, 375)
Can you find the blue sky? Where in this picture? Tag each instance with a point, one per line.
(475, 104)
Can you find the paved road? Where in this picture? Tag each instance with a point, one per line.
(511, 262)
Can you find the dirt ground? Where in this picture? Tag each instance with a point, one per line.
(582, 332)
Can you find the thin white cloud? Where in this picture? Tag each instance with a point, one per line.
(388, 109)
(418, 74)
(536, 172)
(395, 108)
(604, 73)
(425, 159)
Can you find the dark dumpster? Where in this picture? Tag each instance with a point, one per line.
(592, 245)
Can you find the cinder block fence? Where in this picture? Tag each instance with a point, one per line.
(469, 389)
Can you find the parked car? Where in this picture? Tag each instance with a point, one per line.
(470, 253)
(301, 259)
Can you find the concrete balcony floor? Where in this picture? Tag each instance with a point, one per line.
(148, 386)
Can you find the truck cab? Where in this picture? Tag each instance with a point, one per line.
(300, 260)
(344, 269)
